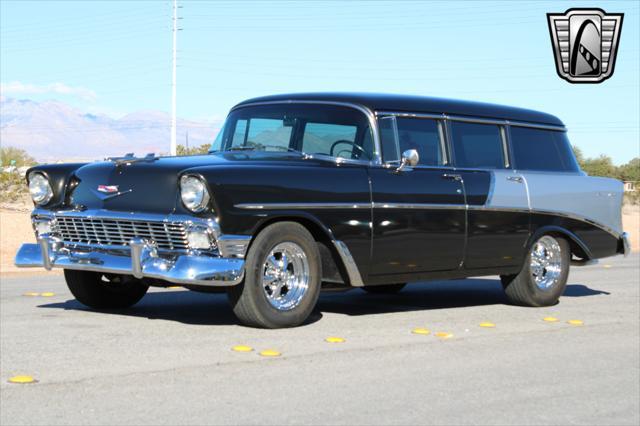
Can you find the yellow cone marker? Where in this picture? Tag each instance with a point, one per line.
(550, 319)
(334, 340)
(47, 294)
(270, 353)
(487, 324)
(443, 335)
(420, 331)
(31, 293)
(22, 379)
(575, 322)
(606, 266)
(242, 348)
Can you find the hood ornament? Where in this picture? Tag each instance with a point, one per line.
(130, 158)
(105, 192)
(108, 189)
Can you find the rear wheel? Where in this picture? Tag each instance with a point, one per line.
(104, 291)
(543, 278)
(282, 278)
(384, 289)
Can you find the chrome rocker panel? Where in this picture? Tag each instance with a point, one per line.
(140, 260)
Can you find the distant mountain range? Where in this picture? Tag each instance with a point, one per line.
(52, 130)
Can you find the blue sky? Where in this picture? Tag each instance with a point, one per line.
(115, 57)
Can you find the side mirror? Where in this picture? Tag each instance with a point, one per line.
(409, 158)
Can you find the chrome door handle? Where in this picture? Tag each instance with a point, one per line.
(452, 176)
(515, 179)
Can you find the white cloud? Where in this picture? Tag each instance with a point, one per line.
(17, 87)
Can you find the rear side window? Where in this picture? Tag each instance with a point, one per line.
(423, 135)
(477, 145)
(544, 150)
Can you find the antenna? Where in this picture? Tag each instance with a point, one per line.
(173, 80)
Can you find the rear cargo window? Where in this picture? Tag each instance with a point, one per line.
(544, 150)
(477, 145)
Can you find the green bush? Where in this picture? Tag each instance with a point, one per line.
(195, 150)
(13, 187)
(10, 156)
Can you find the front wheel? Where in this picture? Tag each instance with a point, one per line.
(282, 278)
(543, 277)
(104, 291)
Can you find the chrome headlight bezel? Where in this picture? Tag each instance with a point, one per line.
(194, 193)
(40, 188)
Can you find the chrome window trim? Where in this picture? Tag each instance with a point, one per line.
(366, 111)
(442, 133)
(505, 147)
(473, 119)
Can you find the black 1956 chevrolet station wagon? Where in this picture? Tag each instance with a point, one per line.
(310, 190)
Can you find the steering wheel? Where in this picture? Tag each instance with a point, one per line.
(344, 141)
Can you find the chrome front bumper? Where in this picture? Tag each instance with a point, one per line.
(140, 259)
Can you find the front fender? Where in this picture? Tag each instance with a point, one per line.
(59, 176)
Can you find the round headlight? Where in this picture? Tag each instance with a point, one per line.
(194, 194)
(41, 192)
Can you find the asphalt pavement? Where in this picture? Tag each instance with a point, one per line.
(169, 359)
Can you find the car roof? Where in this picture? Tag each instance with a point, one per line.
(419, 104)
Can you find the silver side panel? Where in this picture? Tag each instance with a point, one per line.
(595, 199)
(508, 190)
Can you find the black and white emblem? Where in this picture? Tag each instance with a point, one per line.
(585, 42)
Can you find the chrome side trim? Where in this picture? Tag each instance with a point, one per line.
(350, 265)
(369, 114)
(419, 206)
(299, 206)
(422, 206)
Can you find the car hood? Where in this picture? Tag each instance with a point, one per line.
(152, 185)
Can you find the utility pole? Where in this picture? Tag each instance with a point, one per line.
(173, 80)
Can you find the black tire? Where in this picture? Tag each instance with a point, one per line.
(521, 289)
(249, 299)
(104, 291)
(384, 289)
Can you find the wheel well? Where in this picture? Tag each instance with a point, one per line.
(333, 269)
(578, 248)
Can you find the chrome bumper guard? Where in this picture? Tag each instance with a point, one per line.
(141, 260)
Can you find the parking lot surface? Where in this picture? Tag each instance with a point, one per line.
(169, 359)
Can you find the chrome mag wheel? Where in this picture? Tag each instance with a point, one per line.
(546, 262)
(285, 276)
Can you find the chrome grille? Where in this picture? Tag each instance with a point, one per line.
(118, 232)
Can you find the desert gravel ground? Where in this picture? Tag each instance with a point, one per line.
(168, 360)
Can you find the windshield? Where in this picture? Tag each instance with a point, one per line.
(329, 130)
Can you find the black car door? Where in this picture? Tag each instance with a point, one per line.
(419, 214)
